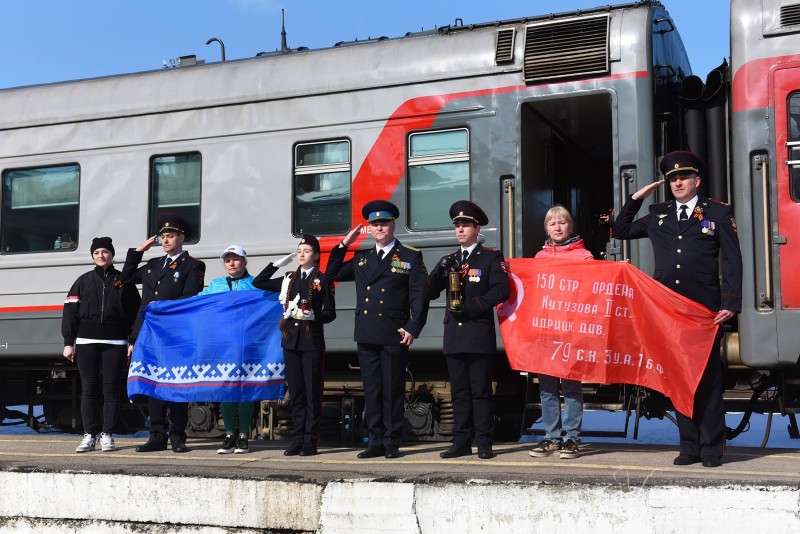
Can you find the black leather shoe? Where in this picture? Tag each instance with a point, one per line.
(308, 450)
(455, 452)
(392, 452)
(179, 446)
(686, 459)
(485, 453)
(294, 449)
(372, 452)
(712, 461)
(152, 445)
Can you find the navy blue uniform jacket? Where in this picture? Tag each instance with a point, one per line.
(390, 294)
(475, 332)
(183, 278)
(686, 257)
(322, 302)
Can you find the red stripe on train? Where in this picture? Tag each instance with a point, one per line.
(385, 164)
(31, 309)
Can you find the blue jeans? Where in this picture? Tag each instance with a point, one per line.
(554, 425)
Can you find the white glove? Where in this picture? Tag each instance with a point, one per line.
(286, 260)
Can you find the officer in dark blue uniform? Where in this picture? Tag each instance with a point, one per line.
(688, 235)
(469, 333)
(391, 309)
(173, 276)
(308, 302)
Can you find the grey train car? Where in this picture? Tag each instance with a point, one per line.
(572, 108)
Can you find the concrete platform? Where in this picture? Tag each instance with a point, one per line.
(45, 487)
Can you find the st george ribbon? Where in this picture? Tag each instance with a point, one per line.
(605, 322)
(224, 347)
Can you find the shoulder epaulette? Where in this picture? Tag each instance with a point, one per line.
(410, 247)
(715, 201)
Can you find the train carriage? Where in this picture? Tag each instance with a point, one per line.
(571, 108)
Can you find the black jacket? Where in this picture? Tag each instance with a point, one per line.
(183, 278)
(322, 303)
(99, 306)
(485, 285)
(687, 254)
(390, 294)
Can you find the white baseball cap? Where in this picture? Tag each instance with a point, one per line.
(233, 249)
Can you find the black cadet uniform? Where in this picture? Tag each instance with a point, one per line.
(182, 277)
(390, 294)
(303, 345)
(469, 345)
(687, 261)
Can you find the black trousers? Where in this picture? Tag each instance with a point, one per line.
(305, 371)
(178, 419)
(96, 362)
(383, 373)
(473, 402)
(703, 434)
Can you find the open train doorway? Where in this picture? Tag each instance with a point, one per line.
(567, 158)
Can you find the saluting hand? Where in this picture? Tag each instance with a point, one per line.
(647, 190)
(144, 247)
(285, 260)
(351, 236)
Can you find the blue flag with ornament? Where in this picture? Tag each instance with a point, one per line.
(223, 347)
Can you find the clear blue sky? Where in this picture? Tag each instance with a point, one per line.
(46, 41)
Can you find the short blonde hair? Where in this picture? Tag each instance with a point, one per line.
(559, 211)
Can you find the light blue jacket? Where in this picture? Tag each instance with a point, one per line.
(220, 285)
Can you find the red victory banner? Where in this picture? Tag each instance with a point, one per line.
(605, 322)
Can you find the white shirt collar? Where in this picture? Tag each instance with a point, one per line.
(469, 249)
(385, 249)
(690, 206)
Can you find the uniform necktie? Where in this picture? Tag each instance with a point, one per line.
(380, 254)
(684, 216)
(167, 261)
(304, 275)
(464, 255)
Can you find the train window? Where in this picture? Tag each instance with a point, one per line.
(40, 209)
(438, 175)
(175, 186)
(322, 174)
(794, 146)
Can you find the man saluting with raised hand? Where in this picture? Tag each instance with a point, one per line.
(688, 235)
(391, 309)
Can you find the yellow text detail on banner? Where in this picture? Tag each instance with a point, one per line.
(605, 322)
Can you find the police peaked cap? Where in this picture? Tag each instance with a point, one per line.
(681, 161)
(466, 210)
(311, 241)
(379, 210)
(176, 223)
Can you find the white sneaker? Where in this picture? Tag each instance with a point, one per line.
(107, 443)
(87, 444)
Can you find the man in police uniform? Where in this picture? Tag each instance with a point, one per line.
(391, 309)
(688, 234)
(173, 276)
(469, 333)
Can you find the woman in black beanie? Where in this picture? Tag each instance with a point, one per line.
(98, 315)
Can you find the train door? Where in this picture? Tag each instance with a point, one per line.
(567, 158)
(787, 190)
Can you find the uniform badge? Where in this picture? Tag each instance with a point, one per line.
(708, 228)
(362, 262)
(399, 266)
(733, 224)
(698, 213)
(474, 275)
(176, 276)
(504, 266)
(661, 218)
